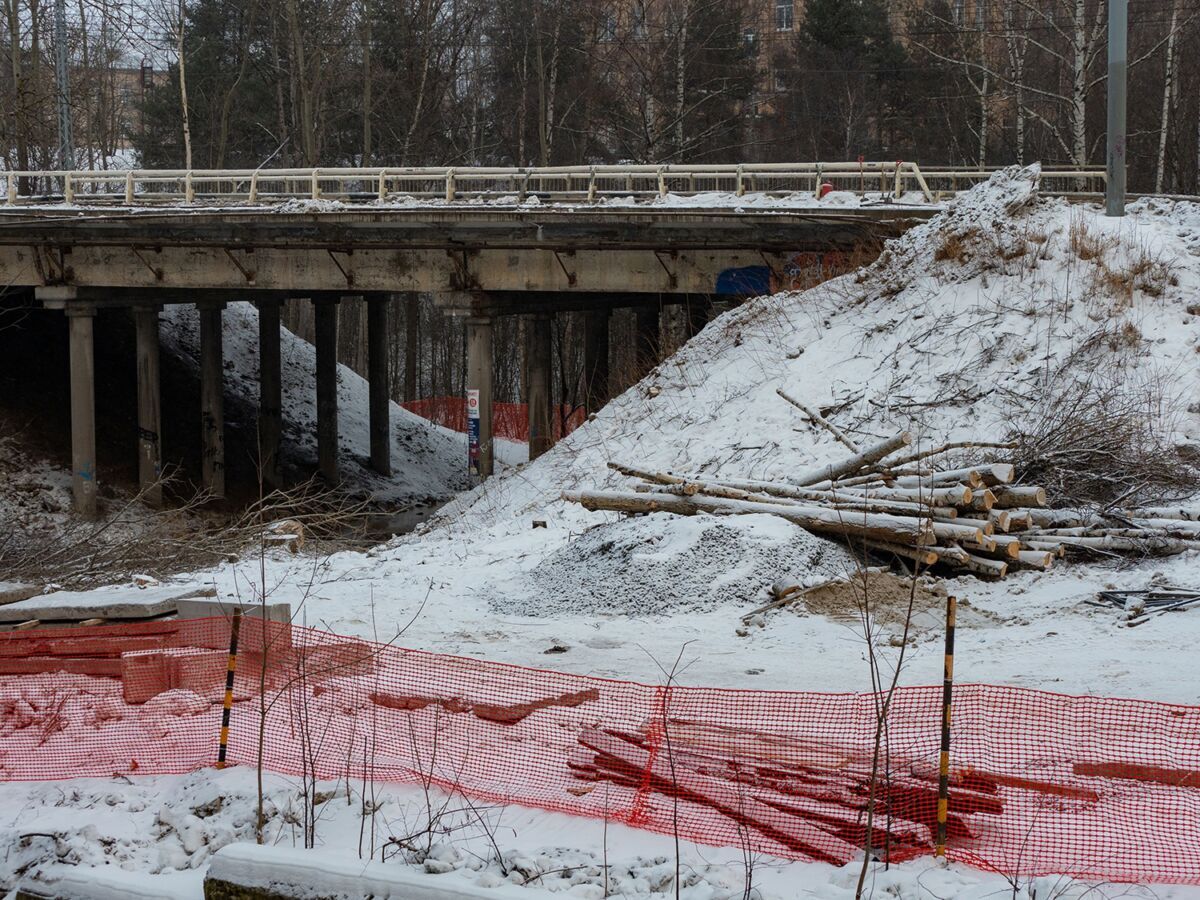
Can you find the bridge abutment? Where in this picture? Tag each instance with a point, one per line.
(595, 359)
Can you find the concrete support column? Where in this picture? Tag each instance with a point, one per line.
(270, 392)
(649, 338)
(327, 399)
(479, 378)
(538, 361)
(697, 309)
(212, 400)
(80, 321)
(595, 359)
(149, 405)
(380, 398)
(412, 332)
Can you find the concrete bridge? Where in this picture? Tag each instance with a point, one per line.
(484, 242)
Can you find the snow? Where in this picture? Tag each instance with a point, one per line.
(428, 461)
(980, 317)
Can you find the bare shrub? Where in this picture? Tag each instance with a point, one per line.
(1088, 244)
(1103, 441)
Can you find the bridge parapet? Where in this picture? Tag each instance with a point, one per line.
(892, 181)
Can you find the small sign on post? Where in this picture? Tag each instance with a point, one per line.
(473, 433)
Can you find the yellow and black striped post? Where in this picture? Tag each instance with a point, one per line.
(228, 707)
(943, 806)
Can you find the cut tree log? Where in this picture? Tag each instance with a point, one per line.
(981, 565)
(1034, 559)
(818, 519)
(1182, 513)
(970, 477)
(1008, 497)
(825, 476)
(926, 556)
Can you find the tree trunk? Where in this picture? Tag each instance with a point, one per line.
(367, 85)
(183, 97)
(1168, 102)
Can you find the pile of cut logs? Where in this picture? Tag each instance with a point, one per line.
(890, 501)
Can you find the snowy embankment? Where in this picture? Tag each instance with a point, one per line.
(975, 323)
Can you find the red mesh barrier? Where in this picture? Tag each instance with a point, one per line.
(509, 420)
(1041, 783)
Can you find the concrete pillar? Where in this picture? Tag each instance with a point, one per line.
(80, 321)
(327, 399)
(479, 378)
(270, 392)
(412, 332)
(649, 338)
(538, 361)
(149, 406)
(212, 400)
(697, 314)
(595, 359)
(380, 398)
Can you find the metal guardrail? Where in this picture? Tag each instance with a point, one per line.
(589, 184)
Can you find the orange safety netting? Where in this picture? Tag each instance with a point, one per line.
(1041, 783)
(509, 420)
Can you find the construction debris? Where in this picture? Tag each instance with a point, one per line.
(1140, 606)
(887, 501)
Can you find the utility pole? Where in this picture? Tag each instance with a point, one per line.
(1118, 65)
(62, 75)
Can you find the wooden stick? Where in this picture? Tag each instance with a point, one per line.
(818, 419)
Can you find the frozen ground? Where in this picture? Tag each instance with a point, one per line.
(985, 316)
(155, 836)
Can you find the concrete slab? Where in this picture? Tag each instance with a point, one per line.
(13, 591)
(212, 607)
(105, 603)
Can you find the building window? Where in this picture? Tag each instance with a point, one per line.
(784, 15)
(960, 11)
(980, 15)
(749, 38)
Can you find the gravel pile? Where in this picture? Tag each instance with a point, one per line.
(661, 564)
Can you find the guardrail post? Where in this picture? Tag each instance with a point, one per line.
(662, 182)
(741, 187)
(188, 190)
(591, 193)
(898, 183)
(450, 192)
(129, 188)
(254, 187)
(382, 184)
(68, 188)
(316, 185)
(12, 188)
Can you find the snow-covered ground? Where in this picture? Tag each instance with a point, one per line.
(987, 316)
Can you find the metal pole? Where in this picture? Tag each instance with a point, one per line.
(943, 804)
(1118, 63)
(62, 75)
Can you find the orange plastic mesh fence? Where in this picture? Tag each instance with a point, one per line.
(509, 420)
(1041, 783)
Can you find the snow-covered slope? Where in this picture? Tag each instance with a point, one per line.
(974, 322)
(428, 461)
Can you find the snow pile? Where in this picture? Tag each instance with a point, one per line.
(428, 461)
(663, 564)
(975, 322)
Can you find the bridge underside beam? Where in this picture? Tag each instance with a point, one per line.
(170, 270)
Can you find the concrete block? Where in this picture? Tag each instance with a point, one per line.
(277, 616)
(144, 674)
(82, 665)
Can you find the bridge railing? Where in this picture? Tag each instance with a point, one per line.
(895, 181)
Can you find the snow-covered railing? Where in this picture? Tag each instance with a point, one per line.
(584, 184)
